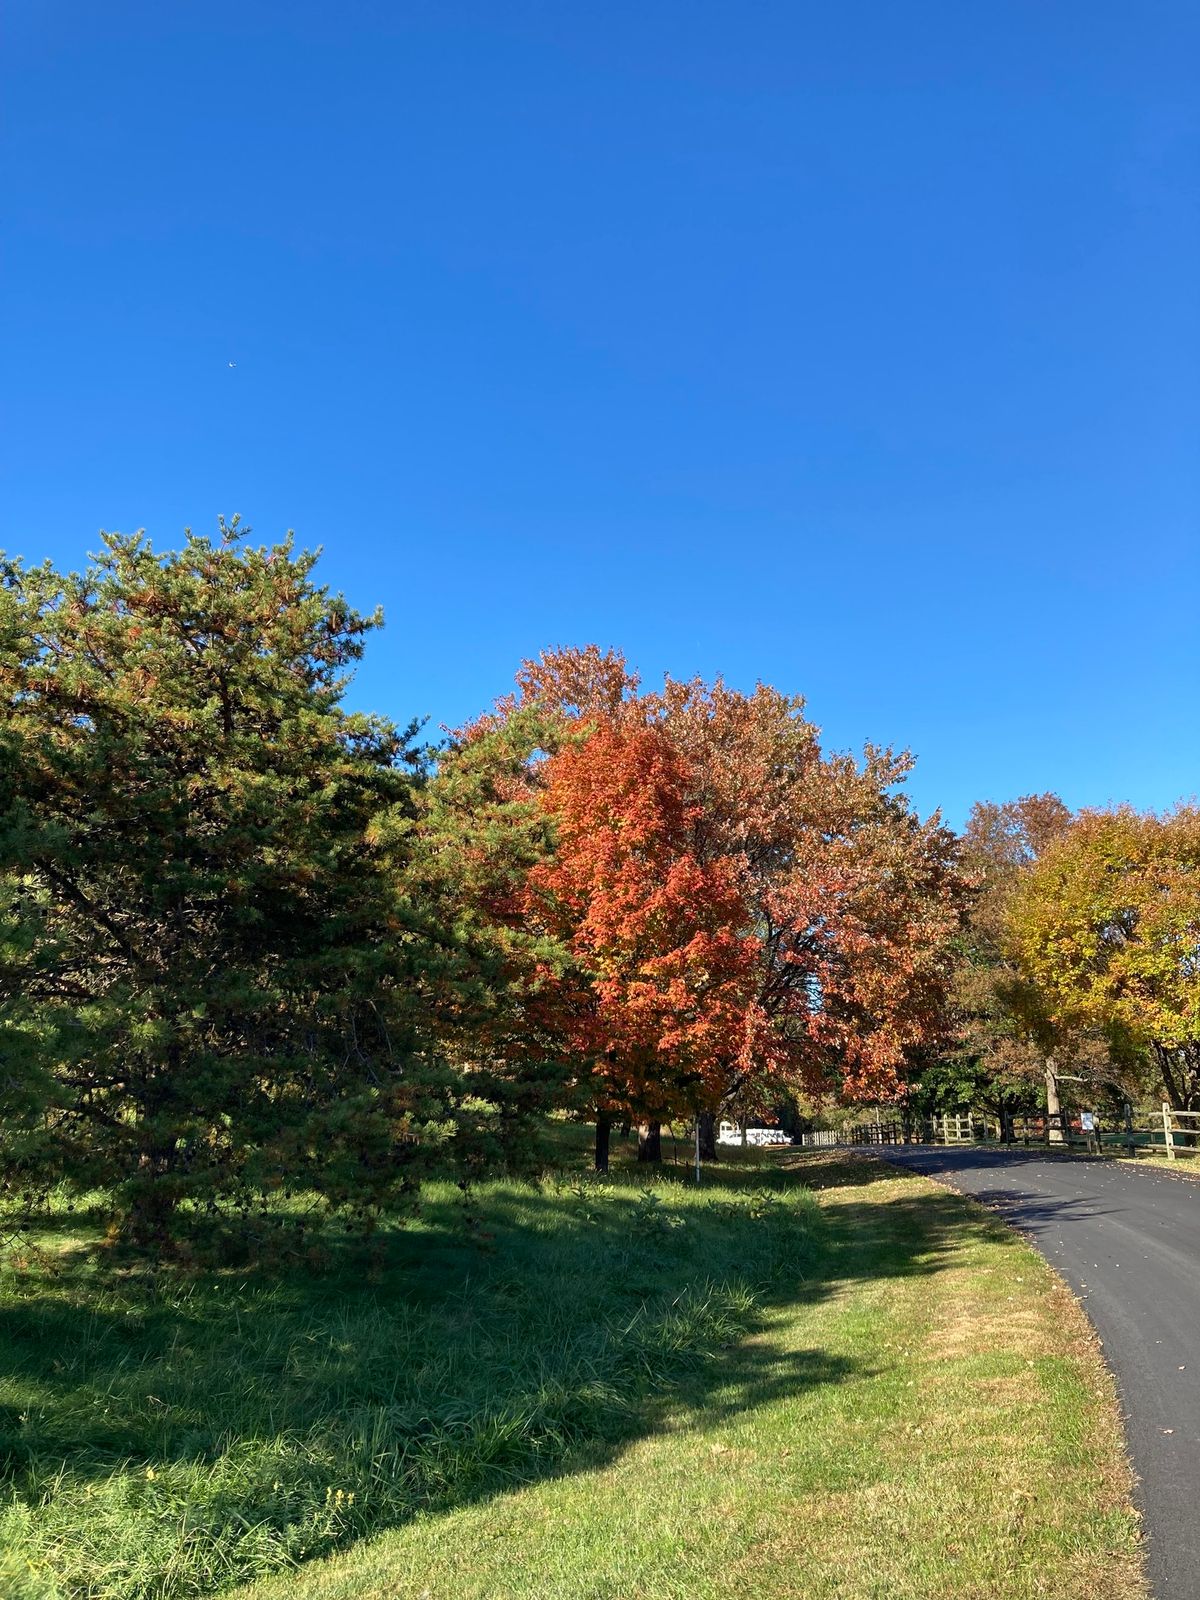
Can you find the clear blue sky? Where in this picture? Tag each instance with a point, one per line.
(854, 346)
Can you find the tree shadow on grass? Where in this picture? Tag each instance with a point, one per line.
(534, 1331)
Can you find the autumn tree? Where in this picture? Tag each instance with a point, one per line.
(658, 998)
(204, 971)
(1004, 1047)
(578, 684)
(841, 901)
(1107, 925)
(853, 897)
(1014, 1043)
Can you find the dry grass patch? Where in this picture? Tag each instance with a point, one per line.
(972, 1324)
(1185, 1166)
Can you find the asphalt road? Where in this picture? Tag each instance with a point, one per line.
(1127, 1240)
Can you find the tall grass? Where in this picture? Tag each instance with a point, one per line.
(165, 1435)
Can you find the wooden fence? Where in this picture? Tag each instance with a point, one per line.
(948, 1127)
(1175, 1133)
(1180, 1131)
(1170, 1132)
(875, 1133)
(1061, 1129)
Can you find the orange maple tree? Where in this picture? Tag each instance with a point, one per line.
(748, 912)
(854, 897)
(660, 997)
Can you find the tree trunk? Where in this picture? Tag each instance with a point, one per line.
(1054, 1126)
(650, 1141)
(1181, 1084)
(147, 1225)
(708, 1136)
(603, 1129)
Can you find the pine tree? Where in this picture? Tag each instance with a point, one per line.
(490, 976)
(206, 974)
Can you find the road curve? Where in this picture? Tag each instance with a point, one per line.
(1127, 1240)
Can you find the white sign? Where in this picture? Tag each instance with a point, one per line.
(1087, 1121)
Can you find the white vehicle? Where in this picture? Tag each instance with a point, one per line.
(731, 1133)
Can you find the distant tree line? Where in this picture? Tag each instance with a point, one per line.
(253, 943)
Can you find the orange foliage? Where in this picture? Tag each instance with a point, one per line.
(663, 937)
(855, 898)
(748, 910)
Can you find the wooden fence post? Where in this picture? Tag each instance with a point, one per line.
(1166, 1105)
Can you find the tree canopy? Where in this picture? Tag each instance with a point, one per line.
(253, 941)
(772, 916)
(206, 974)
(1108, 927)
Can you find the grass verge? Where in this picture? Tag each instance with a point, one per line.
(1184, 1166)
(814, 1376)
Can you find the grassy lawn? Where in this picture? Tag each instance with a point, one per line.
(812, 1377)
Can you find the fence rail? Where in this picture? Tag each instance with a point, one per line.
(946, 1128)
(1175, 1133)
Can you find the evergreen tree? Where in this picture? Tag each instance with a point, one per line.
(490, 981)
(207, 977)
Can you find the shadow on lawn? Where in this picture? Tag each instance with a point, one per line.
(544, 1333)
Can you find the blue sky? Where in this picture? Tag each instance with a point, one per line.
(855, 347)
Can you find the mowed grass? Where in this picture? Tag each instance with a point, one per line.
(811, 1377)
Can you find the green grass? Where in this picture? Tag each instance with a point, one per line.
(813, 1377)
